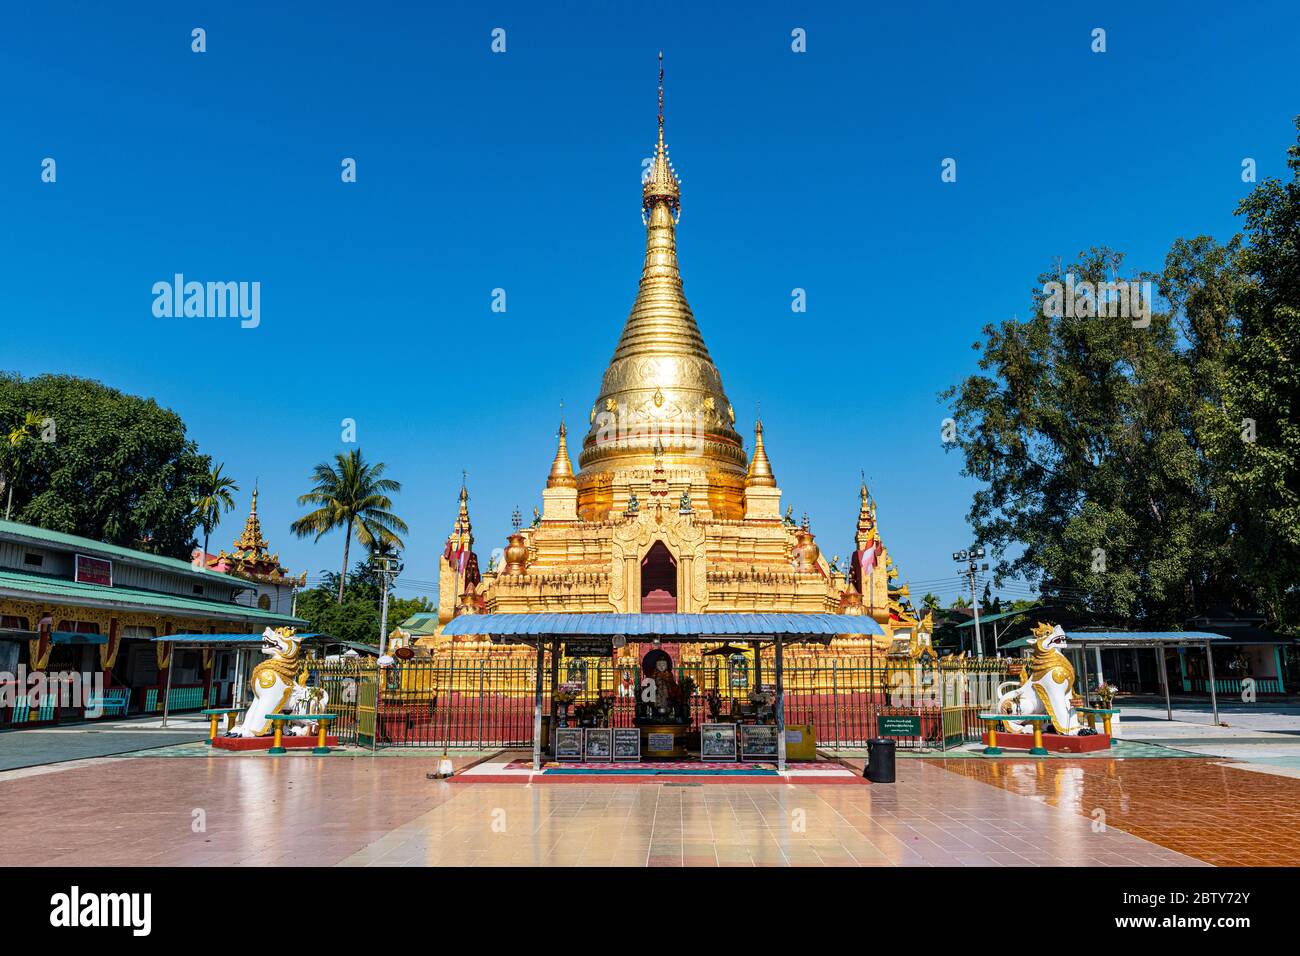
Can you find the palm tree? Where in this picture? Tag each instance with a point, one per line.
(18, 436)
(352, 495)
(214, 498)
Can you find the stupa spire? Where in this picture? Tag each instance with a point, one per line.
(463, 527)
(251, 542)
(561, 475)
(760, 469)
(661, 381)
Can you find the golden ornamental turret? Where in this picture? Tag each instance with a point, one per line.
(464, 531)
(250, 555)
(561, 475)
(866, 527)
(459, 566)
(760, 469)
(251, 542)
(661, 383)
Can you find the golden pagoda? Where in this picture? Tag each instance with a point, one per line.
(250, 558)
(666, 511)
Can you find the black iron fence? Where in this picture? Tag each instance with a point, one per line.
(489, 702)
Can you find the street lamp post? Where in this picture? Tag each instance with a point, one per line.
(972, 559)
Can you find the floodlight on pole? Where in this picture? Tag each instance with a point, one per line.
(971, 558)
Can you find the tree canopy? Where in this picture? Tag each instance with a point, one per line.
(1149, 469)
(357, 616)
(105, 465)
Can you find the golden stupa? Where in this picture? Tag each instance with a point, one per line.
(666, 511)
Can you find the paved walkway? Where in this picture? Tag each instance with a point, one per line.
(1264, 737)
(35, 746)
(1217, 813)
(361, 811)
(115, 794)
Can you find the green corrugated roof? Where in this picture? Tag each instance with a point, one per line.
(985, 618)
(61, 591)
(423, 623)
(100, 549)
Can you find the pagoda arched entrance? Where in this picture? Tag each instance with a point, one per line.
(658, 581)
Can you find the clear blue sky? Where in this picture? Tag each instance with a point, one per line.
(521, 171)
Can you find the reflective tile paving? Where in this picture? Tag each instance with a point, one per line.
(373, 811)
(1217, 813)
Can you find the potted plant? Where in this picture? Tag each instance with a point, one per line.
(686, 687)
(713, 700)
(1106, 695)
(564, 697)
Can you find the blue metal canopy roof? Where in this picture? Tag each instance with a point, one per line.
(661, 625)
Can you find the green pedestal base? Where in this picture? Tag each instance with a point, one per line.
(1038, 751)
(320, 750)
(992, 751)
(276, 751)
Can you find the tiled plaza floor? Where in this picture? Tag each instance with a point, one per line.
(1220, 814)
(336, 810)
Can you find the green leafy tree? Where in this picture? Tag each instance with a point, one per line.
(353, 495)
(931, 602)
(1262, 391)
(108, 466)
(1151, 473)
(1081, 428)
(28, 430)
(353, 619)
(214, 498)
(357, 616)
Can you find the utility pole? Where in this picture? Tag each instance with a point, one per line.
(387, 569)
(971, 559)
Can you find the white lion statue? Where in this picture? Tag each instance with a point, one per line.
(1048, 688)
(278, 687)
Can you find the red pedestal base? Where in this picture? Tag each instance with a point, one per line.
(265, 743)
(1053, 743)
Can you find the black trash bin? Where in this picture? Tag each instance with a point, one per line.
(880, 760)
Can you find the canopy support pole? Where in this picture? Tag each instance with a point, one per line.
(1083, 656)
(1164, 680)
(555, 683)
(758, 665)
(1214, 696)
(537, 705)
(780, 709)
(167, 692)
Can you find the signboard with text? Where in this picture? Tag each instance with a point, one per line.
(899, 725)
(589, 647)
(93, 571)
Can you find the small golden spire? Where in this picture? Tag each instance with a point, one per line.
(251, 542)
(662, 185)
(561, 468)
(760, 469)
(462, 517)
